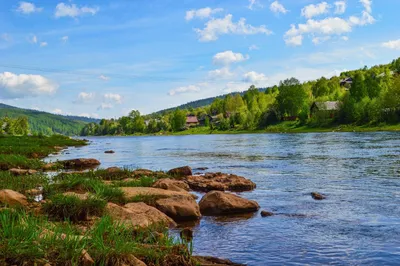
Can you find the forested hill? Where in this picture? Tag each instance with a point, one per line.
(46, 123)
(200, 103)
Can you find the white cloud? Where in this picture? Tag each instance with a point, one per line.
(105, 78)
(113, 97)
(93, 115)
(277, 8)
(186, 89)
(27, 8)
(294, 40)
(64, 39)
(315, 10)
(105, 106)
(254, 77)
(229, 57)
(43, 44)
(340, 7)
(85, 97)
(345, 38)
(254, 47)
(366, 19)
(222, 26)
(392, 44)
(222, 73)
(66, 10)
(253, 3)
(33, 39)
(235, 87)
(202, 13)
(57, 111)
(319, 40)
(23, 85)
(367, 5)
(36, 108)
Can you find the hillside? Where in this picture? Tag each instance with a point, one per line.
(201, 102)
(46, 123)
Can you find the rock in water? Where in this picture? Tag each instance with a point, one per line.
(80, 163)
(221, 203)
(187, 234)
(181, 171)
(138, 215)
(266, 214)
(171, 184)
(211, 261)
(317, 196)
(219, 181)
(179, 208)
(109, 152)
(13, 198)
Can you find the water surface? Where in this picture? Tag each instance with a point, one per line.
(359, 223)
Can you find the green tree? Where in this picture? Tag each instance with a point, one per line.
(178, 120)
(358, 89)
(292, 97)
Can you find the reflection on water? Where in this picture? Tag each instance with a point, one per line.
(358, 224)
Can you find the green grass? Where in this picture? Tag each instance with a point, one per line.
(143, 181)
(22, 183)
(35, 147)
(8, 161)
(26, 239)
(71, 208)
(80, 183)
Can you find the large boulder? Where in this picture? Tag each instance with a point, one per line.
(138, 215)
(157, 193)
(171, 184)
(211, 261)
(13, 198)
(181, 171)
(81, 163)
(179, 208)
(221, 203)
(17, 172)
(142, 172)
(219, 181)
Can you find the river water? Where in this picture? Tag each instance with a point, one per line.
(358, 224)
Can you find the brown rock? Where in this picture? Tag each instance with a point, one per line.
(171, 184)
(221, 182)
(113, 170)
(138, 215)
(181, 171)
(80, 163)
(49, 166)
(317, 196)
(16, 171)
(187, 234)
(130, 260)
(109, 152)
(179, 208)
(131, 192)
(13, 198)
(59, 148)
(211, 261)
(84, 196)
(221, 203)
(142, 172)
(266, 214)
(86, 259)
(33, 192)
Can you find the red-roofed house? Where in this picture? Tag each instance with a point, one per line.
(191, 120)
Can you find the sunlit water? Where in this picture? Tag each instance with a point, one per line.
(359, 223)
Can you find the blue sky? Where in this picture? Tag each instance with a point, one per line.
(104, 58)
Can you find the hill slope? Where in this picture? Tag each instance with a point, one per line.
(46, 123)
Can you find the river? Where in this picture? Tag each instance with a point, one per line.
(358, 223)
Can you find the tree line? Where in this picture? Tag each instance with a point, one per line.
(17, 126)
(367, 96)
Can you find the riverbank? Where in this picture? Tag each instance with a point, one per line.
(290, 127)
(109, 216)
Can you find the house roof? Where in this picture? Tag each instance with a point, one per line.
(327, 106)
(191, 119)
